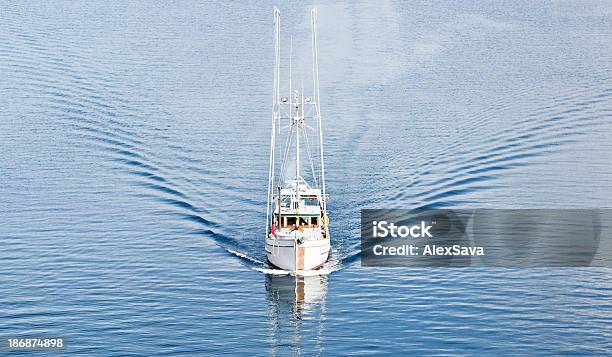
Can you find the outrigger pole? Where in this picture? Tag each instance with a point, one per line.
(275, 112)
(315, 78)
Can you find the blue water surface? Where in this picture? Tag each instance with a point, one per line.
(133, 171)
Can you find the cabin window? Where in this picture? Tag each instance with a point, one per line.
(311, 201)
(314, 221)
(303, 221)
(290, 221)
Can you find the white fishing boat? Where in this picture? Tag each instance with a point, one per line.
(297, 225)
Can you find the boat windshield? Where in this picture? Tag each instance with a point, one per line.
(295, 222)
(311, 201)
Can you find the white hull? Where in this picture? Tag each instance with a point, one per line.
(311, 254)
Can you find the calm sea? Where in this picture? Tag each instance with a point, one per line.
(133, 173)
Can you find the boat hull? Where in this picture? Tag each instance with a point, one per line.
(309, 255)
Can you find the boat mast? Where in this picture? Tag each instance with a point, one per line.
(317, 103)
(275, 113)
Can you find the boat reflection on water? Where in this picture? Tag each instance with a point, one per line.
(296, 309)
(296, 294)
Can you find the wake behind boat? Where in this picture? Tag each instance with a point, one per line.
(297, 225)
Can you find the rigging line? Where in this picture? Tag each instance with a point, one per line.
(286, 155)
(317, 152)
(286, 146)
(314, 177)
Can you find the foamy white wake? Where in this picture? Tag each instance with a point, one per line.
(244, 256)
(270, 271)
(331, 266)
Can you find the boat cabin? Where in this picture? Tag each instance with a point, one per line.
(300, 209)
